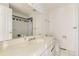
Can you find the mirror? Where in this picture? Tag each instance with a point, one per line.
(21, 26)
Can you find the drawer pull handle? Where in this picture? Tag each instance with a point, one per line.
(63, 49)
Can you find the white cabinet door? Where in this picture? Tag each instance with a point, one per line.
(9, 23)
(69, 38)
(66, 27)
(1, 30)
(6, 23)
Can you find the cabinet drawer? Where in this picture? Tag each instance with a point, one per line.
(44, 53)
(49, 51)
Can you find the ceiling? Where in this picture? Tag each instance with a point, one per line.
(51, 6)
(22, 8)
(55, 5)
(26, 9)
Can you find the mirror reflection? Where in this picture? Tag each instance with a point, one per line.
(21, 26)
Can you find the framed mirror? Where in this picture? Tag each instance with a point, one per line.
(21, 26)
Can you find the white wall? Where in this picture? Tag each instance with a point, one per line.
(62, 21)
(40, 26)
(40, 19)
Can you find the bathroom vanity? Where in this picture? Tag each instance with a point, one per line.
(29, 46)
(15, 41)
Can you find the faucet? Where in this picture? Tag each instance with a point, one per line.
(32, 38)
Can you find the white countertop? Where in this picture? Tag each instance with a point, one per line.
(26, 48)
